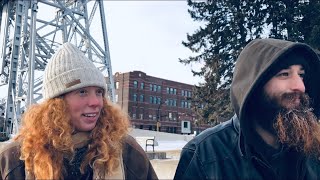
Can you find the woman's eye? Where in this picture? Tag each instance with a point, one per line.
(100, 92)
(82, 92)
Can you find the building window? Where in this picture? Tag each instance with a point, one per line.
(189, 105)
(135, 84)
(116, 98)
(189, 94)
(154, 87)
(133, 116)
(185, 124)
(174, 91)
(168, 90)
(141, 116)
(141, 85)
(134, 97)
(151, 87)
(171, 90)
(182, 92)
(141, 98)
(117, 85)
(151, 100)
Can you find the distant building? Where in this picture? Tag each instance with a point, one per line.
(156, 104)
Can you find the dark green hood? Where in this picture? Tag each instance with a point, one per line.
(254, 63)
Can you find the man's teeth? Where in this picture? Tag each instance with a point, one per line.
(89, 115)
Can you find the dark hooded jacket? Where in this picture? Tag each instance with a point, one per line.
(222, 152)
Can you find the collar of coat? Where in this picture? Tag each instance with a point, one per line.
(80, 140)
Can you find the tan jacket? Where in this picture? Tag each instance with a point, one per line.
(136, 164)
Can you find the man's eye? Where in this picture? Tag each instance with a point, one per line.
(283, 74)
(302, 75)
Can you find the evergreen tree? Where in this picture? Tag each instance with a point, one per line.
(228, 25)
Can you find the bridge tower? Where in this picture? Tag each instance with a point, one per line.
(30, 32)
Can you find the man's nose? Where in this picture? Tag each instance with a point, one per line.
(297, 83)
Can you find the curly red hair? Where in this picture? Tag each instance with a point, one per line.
(46, 138)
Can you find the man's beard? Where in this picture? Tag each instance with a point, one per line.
(294, 124)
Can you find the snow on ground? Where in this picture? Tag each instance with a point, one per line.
(170, 145)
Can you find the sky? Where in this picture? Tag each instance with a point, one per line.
(148, 35)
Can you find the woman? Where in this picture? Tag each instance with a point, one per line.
(75, 133)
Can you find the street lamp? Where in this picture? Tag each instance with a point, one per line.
(158, 124)
(196, 123)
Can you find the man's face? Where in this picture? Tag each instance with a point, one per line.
(284, 90)
(294, 123)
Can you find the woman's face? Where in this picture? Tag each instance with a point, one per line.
(84, 106)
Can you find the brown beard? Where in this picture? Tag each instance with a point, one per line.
(298, 127)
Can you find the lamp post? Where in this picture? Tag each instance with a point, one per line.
(196, 123)
(159, 116)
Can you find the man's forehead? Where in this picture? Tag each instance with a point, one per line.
(291, 59)
(294, 66)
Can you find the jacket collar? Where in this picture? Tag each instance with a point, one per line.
(242, 146)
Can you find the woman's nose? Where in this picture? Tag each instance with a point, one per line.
(94, 99)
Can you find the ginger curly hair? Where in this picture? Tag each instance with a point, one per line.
(46, 138)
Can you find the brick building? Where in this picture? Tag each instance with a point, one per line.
(156, 104)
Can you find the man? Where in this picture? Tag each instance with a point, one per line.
(275, 133)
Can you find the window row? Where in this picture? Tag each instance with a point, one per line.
(135, 85)
(157, 115)
(186, 93)
(157, 88)
(135, 97)
(185, 104)
(158, 100)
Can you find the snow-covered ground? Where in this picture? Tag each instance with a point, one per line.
(170, 145)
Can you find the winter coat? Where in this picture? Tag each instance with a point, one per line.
(222, 152)
(135, 162)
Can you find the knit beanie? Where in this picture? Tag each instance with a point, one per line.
(69, 69)
(292, 58)
(289, 59)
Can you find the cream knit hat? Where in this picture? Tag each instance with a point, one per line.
(69, 69)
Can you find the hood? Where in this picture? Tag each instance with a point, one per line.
(256, 61)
